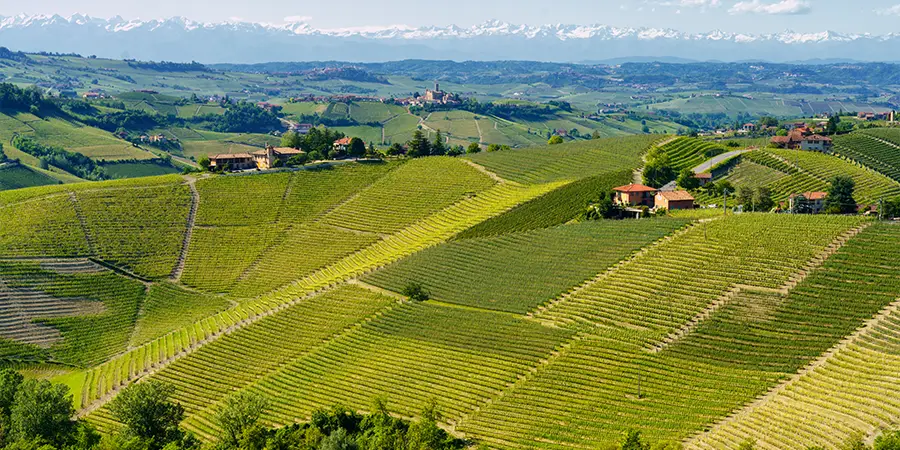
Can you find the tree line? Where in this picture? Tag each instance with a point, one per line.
(72, 162)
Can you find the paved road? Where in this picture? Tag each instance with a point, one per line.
(706, 166)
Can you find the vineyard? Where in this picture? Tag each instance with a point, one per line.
(876, 148)
(474, 283)
(787, 172)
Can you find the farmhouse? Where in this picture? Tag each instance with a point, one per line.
(748, 127)
(303, 128)
(342, 144)
(634, 194)
(674, 200)
(814, 201)
(816, 143)
(266, 159)
(232, 161)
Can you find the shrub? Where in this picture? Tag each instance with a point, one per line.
(415, 291)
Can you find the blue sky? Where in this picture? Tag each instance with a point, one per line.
(748, 16)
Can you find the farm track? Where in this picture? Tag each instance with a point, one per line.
(178, 270)
(487, 172)
(84, 228)
(795, 279)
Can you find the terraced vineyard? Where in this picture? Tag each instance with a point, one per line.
(787, 172)
(566, 161)
(687, 153)
(877, 149)
(517, 272)
(540, 331)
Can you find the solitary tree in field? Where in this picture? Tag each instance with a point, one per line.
(555, 140)
(473, 148)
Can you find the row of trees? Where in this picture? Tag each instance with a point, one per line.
(74, 163)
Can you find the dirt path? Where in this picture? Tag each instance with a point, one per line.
(84, 228)
(192, 214)
(480, 134)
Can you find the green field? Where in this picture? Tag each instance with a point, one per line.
(540, 330)
(18, 176)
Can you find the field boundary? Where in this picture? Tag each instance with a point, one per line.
(796, 278)
(178, 270)
(820, 361)
(81, 220)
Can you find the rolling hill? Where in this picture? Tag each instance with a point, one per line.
(540, 330)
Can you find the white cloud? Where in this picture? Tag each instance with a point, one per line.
(783, 7)
(699, 3)
(891, 11)
(297, 19)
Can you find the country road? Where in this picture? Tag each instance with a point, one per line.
(706, 166)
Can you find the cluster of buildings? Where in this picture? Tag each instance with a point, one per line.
(868, 116)
(260, 159)
(434, 96)
(637, 195)
(802, 138)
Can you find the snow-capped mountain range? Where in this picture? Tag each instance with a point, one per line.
(181, 39)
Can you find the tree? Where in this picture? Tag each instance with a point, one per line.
(203, 162)
(291, 139)
(555, 140)
(767, 121)
(840, 196)
(889, 440)
(148, 414)
(456, 150)
(595, 135)
(418, 145)
(604, 208)
(473, 148)
(43, 411)
(493, 148)
(762, 199)
(745, 197)
(297, 160)
(415, 291)
(357, 147)
(687, 180)
(338, 440)
(238, 414)
(631, 440)
(891, 208)
(438, 147)
(747, 445)
(832, 126)
(425, 434)
(395, 149)
(10, 380)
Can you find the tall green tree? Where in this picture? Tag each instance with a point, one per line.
(632, 440)
(238, 414)
(438, 147)
(840, 196)
(889, 440)
(148, 414)
(357, 148)
(554, 140)
(687, 180)
(762, 199)
(473, 148)
(418, 146)
(42, 411)
(10, 380)
(291, 139)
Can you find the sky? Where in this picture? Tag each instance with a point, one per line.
(743, 16)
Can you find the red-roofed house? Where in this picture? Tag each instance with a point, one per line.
(815, 201)
(674, 200)
(634, 194)
(342, 144)
(816, 143)
(265, 159)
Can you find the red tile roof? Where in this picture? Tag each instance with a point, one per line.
(634, 188)
(703, 176)
(676, 195)
(342, 141)
(817, 137)
(817, 195)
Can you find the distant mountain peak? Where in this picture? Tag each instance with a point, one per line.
(180, 38)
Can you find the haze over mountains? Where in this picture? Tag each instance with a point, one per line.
(181, 39)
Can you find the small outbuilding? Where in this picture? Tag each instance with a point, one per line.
(674, 200)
